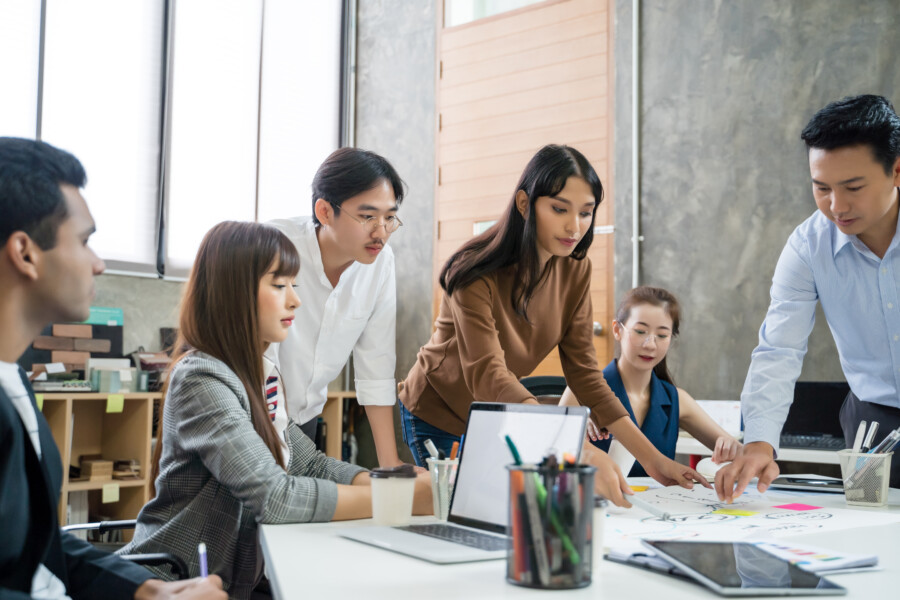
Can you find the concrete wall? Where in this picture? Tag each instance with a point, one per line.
(148, 305)
(727, 86)
(395, 116)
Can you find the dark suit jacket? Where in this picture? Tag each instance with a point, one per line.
(29, 531)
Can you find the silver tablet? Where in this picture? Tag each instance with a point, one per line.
(742, 569)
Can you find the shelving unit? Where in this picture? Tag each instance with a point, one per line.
(81, 425)
(333, 415)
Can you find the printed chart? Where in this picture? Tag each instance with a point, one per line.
(697, 514)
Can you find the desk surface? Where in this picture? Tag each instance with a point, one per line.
(312, 561)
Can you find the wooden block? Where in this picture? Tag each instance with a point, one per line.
(72, 330)
(82, 345)
(97, 470)
(43, 342)
(75, 358)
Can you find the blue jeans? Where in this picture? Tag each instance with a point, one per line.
(416, 431)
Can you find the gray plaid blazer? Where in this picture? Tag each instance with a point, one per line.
(217, 479)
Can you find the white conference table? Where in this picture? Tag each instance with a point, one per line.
(312, 561)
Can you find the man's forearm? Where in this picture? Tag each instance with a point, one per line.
(381, 418)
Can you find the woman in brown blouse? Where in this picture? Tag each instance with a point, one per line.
(511, 295)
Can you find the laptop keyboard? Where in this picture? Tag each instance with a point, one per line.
(816, 442)
(459, 535)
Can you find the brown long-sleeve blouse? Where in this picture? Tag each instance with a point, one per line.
(481, 348)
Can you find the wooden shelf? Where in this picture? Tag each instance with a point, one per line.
(333, 416)
(84, 486)
(81, 425)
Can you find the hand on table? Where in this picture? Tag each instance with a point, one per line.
(756, 460)
(727, 449)
(199, 588)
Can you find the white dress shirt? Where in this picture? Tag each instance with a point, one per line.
(358, 315)
(860, 296)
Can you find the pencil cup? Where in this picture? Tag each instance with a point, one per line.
(392, 494)
(866, 477)
(443, 478)
(551, 527)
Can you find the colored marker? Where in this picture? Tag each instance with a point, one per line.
(453, 450)
(647, 507)
(432, 449)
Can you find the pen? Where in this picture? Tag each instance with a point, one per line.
(870, 436)
(432, 449)
(201, 552)
(453, 450)
(860, 435)
(646, 506)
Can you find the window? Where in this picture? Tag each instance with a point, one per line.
(101, 102)
(20, 33)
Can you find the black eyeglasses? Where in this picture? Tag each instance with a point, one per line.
(391, 223)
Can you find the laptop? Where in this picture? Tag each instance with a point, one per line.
(476, 526)
(813, 422)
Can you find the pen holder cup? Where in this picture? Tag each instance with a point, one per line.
(551, 512)
(866, 477)
(443, 478)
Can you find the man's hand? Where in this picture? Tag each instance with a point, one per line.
(422, 498)
(199, 588)
(668, 472)
(608, 480)
(727, 449)
(756, 460)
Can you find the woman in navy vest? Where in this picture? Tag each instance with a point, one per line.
(646, 322)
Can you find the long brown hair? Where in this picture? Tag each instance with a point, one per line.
(653, 296)
(219, 311)
(512, 241)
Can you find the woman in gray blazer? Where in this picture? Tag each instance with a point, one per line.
(227, 457)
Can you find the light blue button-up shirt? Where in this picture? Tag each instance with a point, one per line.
(859, 295)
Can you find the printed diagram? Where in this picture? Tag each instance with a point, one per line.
(698, 514)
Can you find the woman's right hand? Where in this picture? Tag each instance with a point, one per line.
(422, 502)
(595, 433)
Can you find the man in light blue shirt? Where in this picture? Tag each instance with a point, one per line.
(846, 256)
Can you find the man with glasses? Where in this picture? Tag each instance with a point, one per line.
(348, 293)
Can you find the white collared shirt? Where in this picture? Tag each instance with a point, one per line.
(358, 315)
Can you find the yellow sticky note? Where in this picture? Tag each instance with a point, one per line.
(735, 512)
(115, 403)
(639, 488)
(39, 398)
(110, 493)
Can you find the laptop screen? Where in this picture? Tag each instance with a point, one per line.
(816, 408)
(481, 493)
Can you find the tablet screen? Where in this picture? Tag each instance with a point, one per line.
(741, 569)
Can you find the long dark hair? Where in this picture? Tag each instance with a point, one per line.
(512, 241)
(653, 296)
(219, 311)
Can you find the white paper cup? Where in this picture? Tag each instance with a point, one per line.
(392, 495)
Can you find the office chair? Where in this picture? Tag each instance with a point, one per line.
(156, 559)
(546, 388)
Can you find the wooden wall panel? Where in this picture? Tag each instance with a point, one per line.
(508, 85)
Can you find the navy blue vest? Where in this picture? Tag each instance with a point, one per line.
(661, 423)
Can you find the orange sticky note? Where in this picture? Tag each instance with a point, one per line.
(639, 488)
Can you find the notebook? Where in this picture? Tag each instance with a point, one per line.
(476, 526)
(813, 422)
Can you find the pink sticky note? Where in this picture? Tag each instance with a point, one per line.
(798, 506)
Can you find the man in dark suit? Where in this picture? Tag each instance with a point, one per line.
(47, 274)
